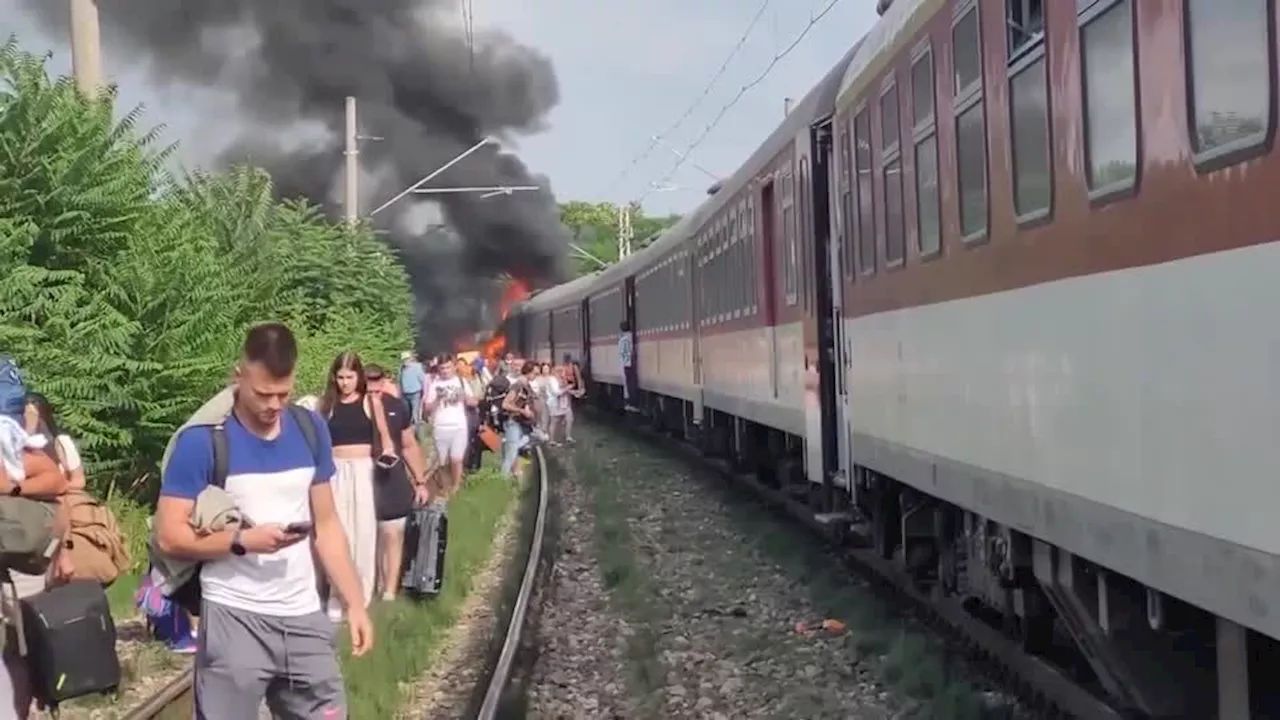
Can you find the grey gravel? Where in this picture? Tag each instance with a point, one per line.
(724, 616)
(579, 669)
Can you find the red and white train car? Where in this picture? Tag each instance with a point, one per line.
(988, 291)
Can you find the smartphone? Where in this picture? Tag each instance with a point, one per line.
(386, 462)
(298, 528)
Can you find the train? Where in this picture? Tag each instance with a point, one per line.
(989, 299)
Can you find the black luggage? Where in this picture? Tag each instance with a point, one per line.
(426, 536)
(71, 642)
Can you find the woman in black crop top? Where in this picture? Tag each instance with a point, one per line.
(358, 427)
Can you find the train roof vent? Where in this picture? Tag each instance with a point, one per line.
(882, 6)
(715, 187)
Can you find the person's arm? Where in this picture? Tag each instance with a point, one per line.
(413, 456)
(72, 464)
(187, 475)
(429, 399)
(45, 479)
(468, 395)
(380, 424)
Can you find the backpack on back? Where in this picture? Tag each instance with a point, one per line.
(188, 595)
(97, 545)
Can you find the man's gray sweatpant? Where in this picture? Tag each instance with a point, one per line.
(244, 657)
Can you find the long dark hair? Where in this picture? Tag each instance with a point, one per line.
(45, 409)
(345, 361)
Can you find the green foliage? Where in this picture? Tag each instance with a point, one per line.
(595, 230)
(125, 292)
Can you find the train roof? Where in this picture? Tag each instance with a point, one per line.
(877, 48)
(816, 105)
(556, 297)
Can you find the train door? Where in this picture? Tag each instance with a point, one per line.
(694, 278)
(839, 252)
(584, 340)
(826, 303)
(768, 224)
(631, 379)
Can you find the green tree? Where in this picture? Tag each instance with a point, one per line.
(595, 230)
(124, 292)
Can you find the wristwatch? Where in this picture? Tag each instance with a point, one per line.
(236, 547)
(16, 490)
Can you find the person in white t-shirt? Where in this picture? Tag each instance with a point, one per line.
(446, 403)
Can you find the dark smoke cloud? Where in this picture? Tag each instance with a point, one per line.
(421, 86)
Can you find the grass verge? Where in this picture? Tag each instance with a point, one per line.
(409, 631)
(629, 587)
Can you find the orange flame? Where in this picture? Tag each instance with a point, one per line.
(513, 293)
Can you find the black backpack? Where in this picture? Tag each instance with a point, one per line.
(188, 595)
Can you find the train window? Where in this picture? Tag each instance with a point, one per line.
(889, 118)
(966, 53)
(1025, 22)
(928, 223)
(1110, 100)
(971, 162)
(894, 240)
(1029, 102)
(866, 212)
(789, 237)
(970, 123)
(844, 211)
(1228, 48)
(922, 91)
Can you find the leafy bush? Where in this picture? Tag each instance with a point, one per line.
(125, 292)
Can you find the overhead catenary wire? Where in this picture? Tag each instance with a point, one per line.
(656, 140)
(685, 155)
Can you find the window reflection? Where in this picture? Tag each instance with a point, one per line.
(1110, 106)
(1230, 66)
(866, 213)
(927, 195)
(971, 159)
(1029, 98)
(894, 242)
(966, 53)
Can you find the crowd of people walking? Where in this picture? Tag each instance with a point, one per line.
(279, 517)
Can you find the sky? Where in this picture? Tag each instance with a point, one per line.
(627, 69)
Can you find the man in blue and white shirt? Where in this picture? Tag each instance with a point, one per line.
(263, 632)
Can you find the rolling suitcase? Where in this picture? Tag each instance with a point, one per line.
(426, 536)
(71, 642)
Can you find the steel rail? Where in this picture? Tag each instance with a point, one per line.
(515, 628)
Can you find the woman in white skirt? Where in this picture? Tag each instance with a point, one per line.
(360, 440)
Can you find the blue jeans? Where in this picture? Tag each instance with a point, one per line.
(512, 440)
(414, 400)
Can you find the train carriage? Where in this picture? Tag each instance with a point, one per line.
(982, 299)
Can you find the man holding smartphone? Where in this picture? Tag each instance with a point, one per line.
(263, 633)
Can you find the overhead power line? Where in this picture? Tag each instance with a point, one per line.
(741, 93)
(656, 140)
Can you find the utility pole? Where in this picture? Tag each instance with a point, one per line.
(86, 47)
(351, 178)
(625, 231)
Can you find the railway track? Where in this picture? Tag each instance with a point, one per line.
(1043, 688)
(174, 700)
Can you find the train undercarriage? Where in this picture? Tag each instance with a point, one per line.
(1146, 651)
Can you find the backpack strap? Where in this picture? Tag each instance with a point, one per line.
(220, 468)
(306, 422)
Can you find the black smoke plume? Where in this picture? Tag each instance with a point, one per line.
(422, 85)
